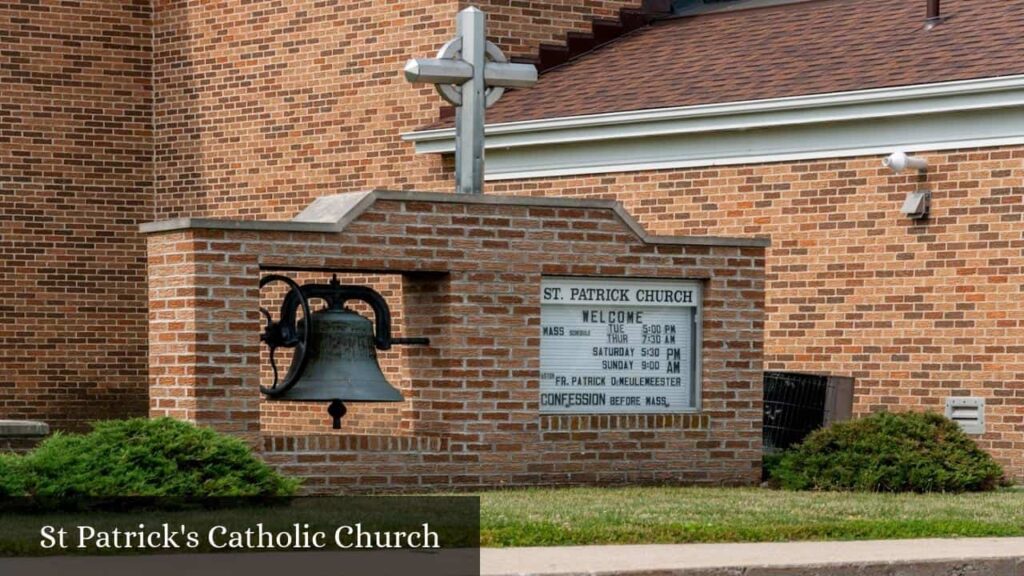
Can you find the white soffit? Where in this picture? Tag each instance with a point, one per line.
(968, 113)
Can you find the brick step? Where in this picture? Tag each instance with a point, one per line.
(607, 30)
(602, 31)
(551, 55)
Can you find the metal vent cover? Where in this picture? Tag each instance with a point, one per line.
(969, 413)
(797, 404)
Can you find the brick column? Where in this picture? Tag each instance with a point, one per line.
(203, 332)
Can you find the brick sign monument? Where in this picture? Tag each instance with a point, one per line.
(543, 367)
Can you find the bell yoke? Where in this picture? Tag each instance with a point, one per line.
(334, 350)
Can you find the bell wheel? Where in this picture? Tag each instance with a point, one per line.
(286, 332)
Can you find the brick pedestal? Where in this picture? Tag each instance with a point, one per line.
(471, 269)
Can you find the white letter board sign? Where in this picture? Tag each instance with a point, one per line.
(619, 346)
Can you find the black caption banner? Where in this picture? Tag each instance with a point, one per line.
(351, 535)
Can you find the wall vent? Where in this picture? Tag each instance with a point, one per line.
(969, 413)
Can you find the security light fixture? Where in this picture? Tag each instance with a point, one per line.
(899, 161)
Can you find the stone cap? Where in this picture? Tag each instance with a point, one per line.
(332, 214)
(22, 428)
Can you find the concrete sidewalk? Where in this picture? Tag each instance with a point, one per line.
(960, 557)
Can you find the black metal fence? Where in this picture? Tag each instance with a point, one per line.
(794, 406)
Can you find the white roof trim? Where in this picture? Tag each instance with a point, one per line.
(968, 113)
(836, 106)
(643, 166)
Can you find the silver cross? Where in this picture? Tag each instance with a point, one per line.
(471, 74)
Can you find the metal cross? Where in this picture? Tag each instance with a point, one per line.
(472, 74)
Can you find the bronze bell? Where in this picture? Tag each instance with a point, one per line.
(342, 362)
(334, 356)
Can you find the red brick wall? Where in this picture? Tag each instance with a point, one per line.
(263, 106)
(75, 182)
(471, 277)
(913, 311)
(114, 112)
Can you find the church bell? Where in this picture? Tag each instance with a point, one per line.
(334, 349)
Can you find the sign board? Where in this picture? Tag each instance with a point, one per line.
(619, 346)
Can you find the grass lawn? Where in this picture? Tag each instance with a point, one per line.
(549, 517)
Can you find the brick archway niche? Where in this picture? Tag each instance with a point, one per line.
(470, 270)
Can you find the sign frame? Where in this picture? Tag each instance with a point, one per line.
(696, 343)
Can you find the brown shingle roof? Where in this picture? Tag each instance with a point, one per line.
(790, 50)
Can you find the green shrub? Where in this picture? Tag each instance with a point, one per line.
(149, 458)
(12, 476)
(912, 452)
(769, 462)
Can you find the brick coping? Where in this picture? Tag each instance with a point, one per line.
(332, 214)
(23, 429)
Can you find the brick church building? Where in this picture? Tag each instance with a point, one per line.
(741, 118)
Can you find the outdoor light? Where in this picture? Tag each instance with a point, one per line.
(898, 162)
